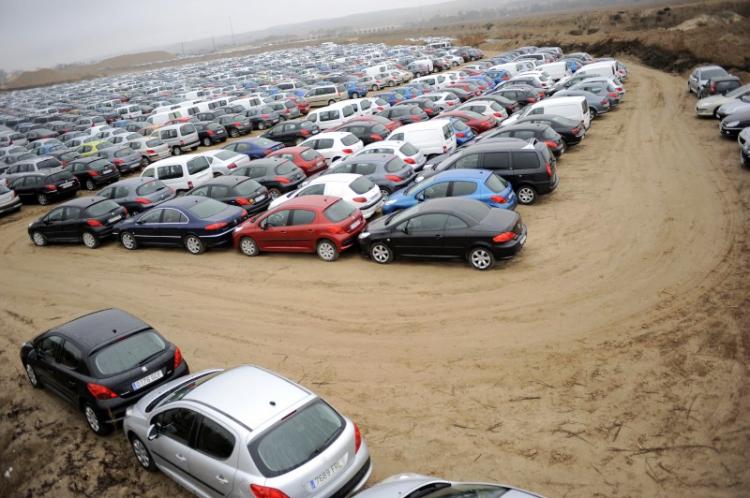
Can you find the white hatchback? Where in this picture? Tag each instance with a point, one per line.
(358, 190)
(334, 145)
(224, 161)
(404, 150)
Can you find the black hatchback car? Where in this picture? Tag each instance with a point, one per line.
(237, 191)
(277, 174)
(527, 131)
(87, 219)
(138, 194)
(386, 171)
(405, 114)
(292, 133)
(571, 131)
(45, 186)
(93, 172)
(102, 363)
(211, 133)
(367, 131)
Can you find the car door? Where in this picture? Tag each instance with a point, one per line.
(457, 237)
(47, 350)
(69, 369)
(52, 225)
(146, 228)
(424, 235)
(301, 236)
(499, 163)
(70, 226)
(24, 188)
(273, 234)
(171, 449)
(171, 227)
(213, 458)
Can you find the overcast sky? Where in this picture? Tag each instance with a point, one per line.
(43, 33)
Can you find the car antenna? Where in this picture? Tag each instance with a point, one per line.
(272, 403)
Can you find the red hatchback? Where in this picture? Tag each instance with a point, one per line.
(309, 224)
(477, 122)
(308, 160)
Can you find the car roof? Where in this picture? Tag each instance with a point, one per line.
(251, 395)
(267, 161)
(368, 158)
(229, 180)
(447, 205)
(100, 326)
(346, 178)
(330, 134)
(136, 180)
(311, 201)
(502, 143)
(463, 174)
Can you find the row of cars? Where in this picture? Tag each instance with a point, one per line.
(724, 97)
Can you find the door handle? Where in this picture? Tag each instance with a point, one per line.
(221, 479)
(180, 457)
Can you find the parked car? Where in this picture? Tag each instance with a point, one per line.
(277, 174)
(181, 173)
(223, 161)
(744, 140)
(446, 228)
(292, 133)
(254, 148)
(180, 138)
(720, 85)
(211, 133)
(387, 171)
(195, 223)
(571, 131)
(431, 138)
(367, 131)
(305, 158)
(123, 157)
(262, 117)
(700, 76)
(334, 145)
(237, 191)
(598, 104)
(732, 125)
(45, 186)
(415, 485)
(87, 220)
(405, 114)
(94, 172)
(321, 224)
(236, 124)
(276, 440)
(102, 363)
(708, 106)
(530, 131)
(93, 148)
(137, 194)
(324, 95)
(358, 190)
(9, 200)
(477, 122)
(406, 151)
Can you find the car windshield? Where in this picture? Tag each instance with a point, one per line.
(207, 208)
(264, 142)
(150, 187)
(128, 353)
(248, 187)
(285, 168)
(361, 185)
(154, 143)
(308, 154)
(297, 439)
(225, 154)
(339, 211)
(100, 208)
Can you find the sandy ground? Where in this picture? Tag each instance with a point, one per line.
(609, 359)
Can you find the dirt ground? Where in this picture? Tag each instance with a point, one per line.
(608, 360)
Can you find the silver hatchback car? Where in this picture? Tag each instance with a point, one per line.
(247, 433)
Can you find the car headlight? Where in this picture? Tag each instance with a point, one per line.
(389, 202)
(732, 124)
(364, 235)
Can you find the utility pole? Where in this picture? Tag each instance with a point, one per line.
(231, 29)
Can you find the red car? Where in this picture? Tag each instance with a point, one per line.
(389, 124)
(477, 122)
(302, 104)
(318, 224)
(308, 160)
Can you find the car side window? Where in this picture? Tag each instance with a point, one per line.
(170, 172)
(325, 143)
(257, 172)
(455, 223)
(71, 213)
(427, 222)
(70, 356)
(469, 161)
(214, 440)
(150, 173)
(173, 216)
(218, 191)
(436, 191)
(397, 136)
(525, 160)
(496, 160)
(55, 216)
(200, 191)
(313, 190)
(277, 219)
(49, 346)
(152, 216)
(463, 188)
(107, 193)
(176, 424)
(365, 169)
(301, 217)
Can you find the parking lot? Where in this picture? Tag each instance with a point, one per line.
(608, 349)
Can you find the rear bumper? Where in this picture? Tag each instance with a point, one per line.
(510, 249)
(356, 482)
(259, 206)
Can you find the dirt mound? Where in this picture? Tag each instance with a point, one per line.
(706, 20)
(134, 60)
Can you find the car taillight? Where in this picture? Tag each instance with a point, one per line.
(460, 134)
(177, 357)
(498, 114)
(604, 101)
(376, 137)
(231, 166)
(347, 151)
(265, 116)
(414, 118)
(93, 173)
(549, 169)
(143, 201)
(360, 199)
(393, 178)
(304, 133)
(100, 392)
(613, 94)
(241, 201)
(266, 492)
(50, 188)
(216, 226)
(282, 179)
(550, 143)
(237, 124)
(409, 160)
(503, 237)
(531, 100)
(357, 438)
(210, 133)
(94, 223)
(498, 199)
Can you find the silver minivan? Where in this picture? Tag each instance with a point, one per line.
(180, 138)
(326, 95)
(247, 432)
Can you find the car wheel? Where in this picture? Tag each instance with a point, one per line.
(94, 419)
(298, 141)
(745, 159)
(39, 239)
(194, 244)
(144, 162)
(234, 132)
(89, 184)
(593, 112)
(385, 192)
(42, 199)
(481, 258)
(375, 88)
(274, 192)
(249, 247)
(128, 241)
(89, 240)
(261, 126)
(176, 151)
(331, 102)
(526, 194)
(381, 253)
(327, 251)
(31, 375)
(355, 95)
(207, 142)
(142, 454)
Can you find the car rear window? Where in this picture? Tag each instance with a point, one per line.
(99, 165)
(309, 154)
(207, 208)
(59, 177)
(150, 187)
(264, 142)
(101, 208)
(338, 211)
(496, 184)
(394, 165)
(297, 439)
(128, 353)
(225, 154)
(361, 185)
(285, 168)
(408, 149)
(48, 164)
(349, 140)
(154, 143)
(246, 188)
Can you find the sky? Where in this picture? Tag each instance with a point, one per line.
(43, 33)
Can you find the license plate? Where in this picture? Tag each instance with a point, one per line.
(107, 171)
(327, 475)
(67, 184)
(522, 240)
(138, 384)
(354, 225)
(259, 198)
(114, 218)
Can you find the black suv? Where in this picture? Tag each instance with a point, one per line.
(530, 168)
(210, 133)
(45, 187)
(102, 363)
(292, 133)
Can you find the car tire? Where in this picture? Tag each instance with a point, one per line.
(481, 258)
(141, 453)
(94, 420)
(207, 142)
(194, 244)
(90, 240)
(298, 141)
(355, 95)
(375, 88)
(249, 247)
(385, 192)
(526, 195)
(593, 112)
(89, 184)
(261, 126)
(42, 199)
(274, 192)
(128, 241)
(144, 162)
(234, 132)
(327, 251)
(39, 239)
(744, 159)
(32, 376)
(176, 151)
(381, 253)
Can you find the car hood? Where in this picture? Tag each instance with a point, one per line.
(734, 106)
(713, 100)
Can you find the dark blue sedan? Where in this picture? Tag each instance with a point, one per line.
(195, 223)
(254, 148)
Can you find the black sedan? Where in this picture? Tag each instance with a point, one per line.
(292, 133)
(732, 125)
(367, 131)
(236, 190)
(102, 363)
(571, 131)
(405, 114)
(277, 174)
(93, 171)
(87, 219)
(195, 223)
(443, 229)
(138, 194)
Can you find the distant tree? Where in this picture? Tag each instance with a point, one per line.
(488, 26)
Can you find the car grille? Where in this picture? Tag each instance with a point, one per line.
(349, 486)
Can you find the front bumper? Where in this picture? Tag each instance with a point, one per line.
(12, 206)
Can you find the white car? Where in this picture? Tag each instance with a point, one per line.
(127, 137)
(358, 190)
(486, 108)
(223, 161)
(404, 150)
(445, 101)
(334, 145)
(379, 104)
(182, 173)
(9, 201)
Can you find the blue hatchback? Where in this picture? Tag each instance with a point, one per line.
(463, 133)
(254, 148)
(478, 184)
(392, 98)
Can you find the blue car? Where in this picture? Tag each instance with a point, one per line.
(407, 92)
(254, 148)
(497, 75)
(392, 98)
(478, 184)
(193, 222)
(463, 133)
(355, 89)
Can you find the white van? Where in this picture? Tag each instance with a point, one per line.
(556, 70)
(607, 69)
(160, 118)
(362, 107)
(331, 116)
(181, 173)
(575, 108)
(179, 137)
(385, 67)
(432, 137)
(437, 81)
(128, 111)
(247, 102)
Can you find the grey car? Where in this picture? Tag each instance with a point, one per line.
(736, 105)
(407, 485)
(700, 76)
(138, 194)
(598, 104)
(151, 149)
(125, 158)
(708, 106)
(744, 140)
(247, 432)
(386, 171)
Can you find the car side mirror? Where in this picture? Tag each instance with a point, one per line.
(153, 432)
(263, 225)
(404, 228)
(420, 196)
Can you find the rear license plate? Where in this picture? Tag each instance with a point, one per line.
(354, 225)
(522, 240)
(138, 384)
(67, 184)
(114, 218)
(327, 475)
(107, 171)
(259, 198)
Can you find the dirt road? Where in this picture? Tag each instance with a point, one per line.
(609, 359)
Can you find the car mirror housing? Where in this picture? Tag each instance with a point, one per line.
(153, 432)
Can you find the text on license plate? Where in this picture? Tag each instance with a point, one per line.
(523, 239)
(354, 225)
(259, 198)
(107, 171)
(327, 474)
(147, 380)
(67, 184)
(114, 218)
